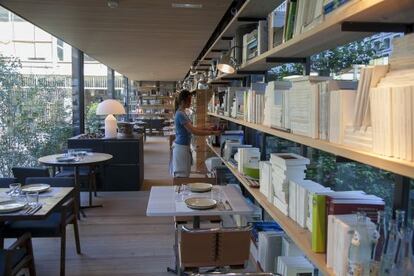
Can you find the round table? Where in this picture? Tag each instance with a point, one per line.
(90, 159)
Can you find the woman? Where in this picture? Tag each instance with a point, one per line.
(181, 153)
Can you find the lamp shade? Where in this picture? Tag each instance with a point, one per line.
(226, 64)
(110, 107)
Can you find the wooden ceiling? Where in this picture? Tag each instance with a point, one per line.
(142, 39)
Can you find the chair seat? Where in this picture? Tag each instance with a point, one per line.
(37, 228)
(16, 256)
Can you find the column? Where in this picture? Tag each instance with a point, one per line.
(78, 92)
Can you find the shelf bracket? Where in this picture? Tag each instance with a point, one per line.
(375, 27)
(246, 72)
(226, 38)
(251, 19)
(341, 159)
(219, 50)
(401, 193)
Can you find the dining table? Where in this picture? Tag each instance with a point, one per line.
(170, 202)
(90, 159)
(49, 201)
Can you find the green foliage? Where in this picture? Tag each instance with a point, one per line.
(93, 121)
(35, 118)
(331, 61)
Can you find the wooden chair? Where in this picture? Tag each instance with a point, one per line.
(21, 173)
(218, 247)
(6, 181)
(17, 257)
(54, 225)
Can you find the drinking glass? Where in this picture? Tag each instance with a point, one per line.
(15, 189)
(32, 198)
(71, 152)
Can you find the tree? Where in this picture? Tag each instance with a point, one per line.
(35, 116)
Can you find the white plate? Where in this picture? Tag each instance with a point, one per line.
(200, 187)
(65, 158)
(200, 203)
(40, 188)
(11, 206)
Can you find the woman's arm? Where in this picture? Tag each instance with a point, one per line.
(199, 131)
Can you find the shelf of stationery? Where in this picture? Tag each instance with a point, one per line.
(328, 34)
(300, 236)
(394, 165)
(250, 9)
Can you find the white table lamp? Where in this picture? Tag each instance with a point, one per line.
(110, 107)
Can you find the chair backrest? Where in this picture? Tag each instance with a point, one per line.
(6, 181)
(52, 181)
(21, 173)
(197, 248)
(229, 246)
(187, 180)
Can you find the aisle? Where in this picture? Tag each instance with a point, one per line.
(156, 160)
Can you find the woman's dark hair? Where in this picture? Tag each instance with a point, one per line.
(182, 97)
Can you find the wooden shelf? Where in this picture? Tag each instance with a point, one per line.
(328, 34)
(250, 9)
(300, 236)
(394, 165)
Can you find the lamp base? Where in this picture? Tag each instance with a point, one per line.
(110, 126)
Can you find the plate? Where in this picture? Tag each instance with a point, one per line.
(200, 203)
(11, 206)
(200, 187)
(65, 158)
(40, 188)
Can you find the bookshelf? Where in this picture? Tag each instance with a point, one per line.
(250, 9)
(394, 165)
(323, 36)
(300, 236)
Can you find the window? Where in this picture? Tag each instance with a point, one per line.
(4, 15)
(60, 50)
(386, 44)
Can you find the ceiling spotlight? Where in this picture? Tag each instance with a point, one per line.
(227, 63)
(113, 4)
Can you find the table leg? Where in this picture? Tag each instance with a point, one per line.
(77, 190)
(196, 222)
(91, 180)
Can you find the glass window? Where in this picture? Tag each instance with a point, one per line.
(4, 15)
(386, 44)
(60, 50)
(35, 98)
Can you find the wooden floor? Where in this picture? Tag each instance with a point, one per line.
(118, 239)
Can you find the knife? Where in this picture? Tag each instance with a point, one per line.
(34, 210)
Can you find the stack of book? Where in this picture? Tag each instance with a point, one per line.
(269, 248)
(300, 200)
(339, 203)
(308, 14)
(341, 110)
(324, 91)
(266, 187)
(304, 105)
(255, 103)
(392, 104)
(292, 266)
(276, 24)
(248, 161)
(285, 167)
(276, 112)
(339, 240)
